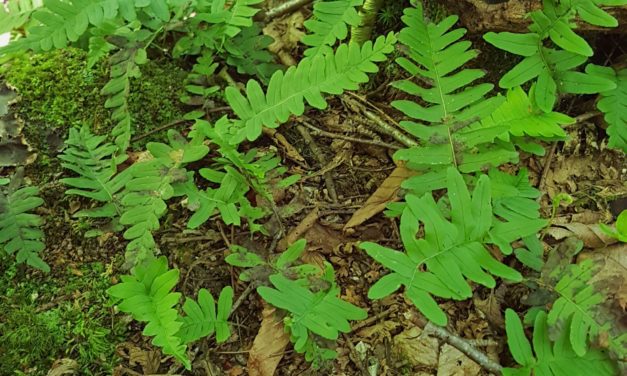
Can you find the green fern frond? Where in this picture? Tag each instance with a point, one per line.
(16, 13)
(202, 319)
(551, 358)
(248, 52)
(146, 295)
(124, 66)
(63, 22)
(329, 25)
(436, 56)
(93, 161)
(322, 313)
(20, 232)
(287, 91)
(452, 250)
(613, 104)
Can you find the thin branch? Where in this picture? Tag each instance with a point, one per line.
(328, 179)
(289, 6)
(320, 132)
(243, 297)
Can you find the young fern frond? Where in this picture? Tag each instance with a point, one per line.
(146, 295)
(329, 25)
(613, 104)
(20, 234)
(436, 56)
(287, 91)
(16, 14)
(553, 69)
(551, 358)
(203, 319)
(93, 161)
(63, 22)
(248, 52)
(452, 250)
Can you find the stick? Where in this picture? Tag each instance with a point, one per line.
(328, 179)
(320, 132)
(283, 9)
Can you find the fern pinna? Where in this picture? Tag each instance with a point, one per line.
(330, 23)
(20, 233)
(147, 295)
(451, 250)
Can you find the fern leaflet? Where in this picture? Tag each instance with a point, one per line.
(330, 24)
(19, 228)
(287, 91)
(551, 359)
(202, 318)
(146, 295)
(613, 104)
(16, 14)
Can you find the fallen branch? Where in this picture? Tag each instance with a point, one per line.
(283, 9)
(319, 132)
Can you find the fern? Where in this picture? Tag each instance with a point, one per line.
(436, 53)
(16, 14)
(98, 179)
(146, 295)
(451, 250)
(557, 358)
(20, 234)
(321, 313)
(287, 91)
(330, 24)
(553, 68)
(63, 22)
(248, 53)
(199, 83)
(613, 104)
(202, 319)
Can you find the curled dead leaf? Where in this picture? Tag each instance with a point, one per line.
(591, 235)
(269, 344)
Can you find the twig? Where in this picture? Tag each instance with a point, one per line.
(243, 297)
(328, 179)
(283, 9)
(547, 166)
(320, 132)
(383, 126)
(459, 343)
(355, 355)
(370, 320)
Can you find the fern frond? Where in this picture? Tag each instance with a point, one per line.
(248, 52)
(93, 161)
(124, 66)
(20, 234)
(436, 56)
(63, 22)
(203, 319)
(613, 104)
(16, 13)
(329, 25)
(146, 295)
(451, 250)
(551, 358)
(287, 91)
(322, 313)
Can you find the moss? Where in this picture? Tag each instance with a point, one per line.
(58, 91)
(50, 317)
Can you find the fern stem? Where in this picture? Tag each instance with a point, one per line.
(368, 14)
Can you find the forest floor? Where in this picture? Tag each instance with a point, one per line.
(63, 321)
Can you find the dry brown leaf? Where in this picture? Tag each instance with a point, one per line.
(454, 363)
(613, 273)
(491, 308)
(298, 231)
(591, 235)
(417, 350)
(62, 367)
(149, 360)
(385, 194)
(268, 346)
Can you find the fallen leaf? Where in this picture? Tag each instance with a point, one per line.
(386, 193)
(269, 344)
(417, 350)
(454, 363)
(63, 366)
(148, 360)
(613, 273)
(591, 235)
(298, 231)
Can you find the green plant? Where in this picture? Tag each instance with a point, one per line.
(620, 232)
(146, 295)
(451, 250)
(287, 91)
(551, 357)
(308, 294)
(330, 23)
(20, 234)
(552, 68)
(248, 53)
(613, 104)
